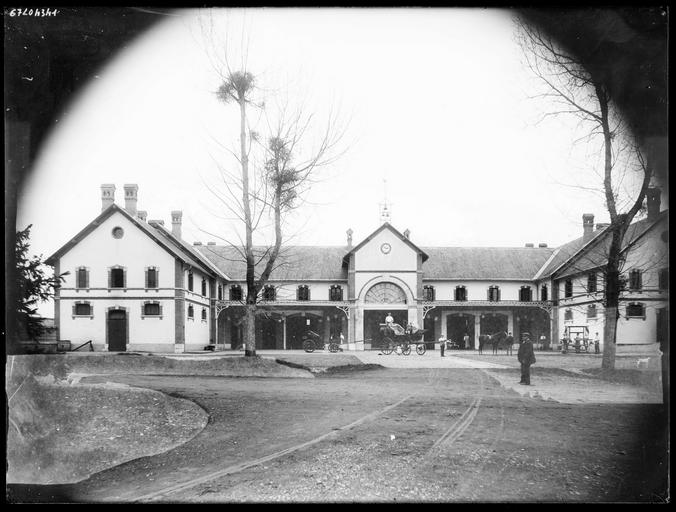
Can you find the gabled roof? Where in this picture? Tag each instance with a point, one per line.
(386, 225)
(152, 232)
(295, 263)
(595, 255)
(517, 263)
(564, 253)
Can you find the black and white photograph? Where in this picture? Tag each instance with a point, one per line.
(280, 255)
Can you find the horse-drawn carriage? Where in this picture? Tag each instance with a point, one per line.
(399, 340)
(578, 337)
(313, 341)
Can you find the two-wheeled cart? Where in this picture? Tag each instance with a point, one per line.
(399, 340)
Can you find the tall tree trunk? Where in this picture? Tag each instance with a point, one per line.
(250, 330)
(613, 288)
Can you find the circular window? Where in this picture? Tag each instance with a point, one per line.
(118, 232)
(386, 248)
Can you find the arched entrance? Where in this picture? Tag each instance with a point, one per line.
(380, 300)
(493, 322)
(457, 326)
(296, 327)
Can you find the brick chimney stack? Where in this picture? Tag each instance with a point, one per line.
(176, 221)
(142, 215)
(107, 195)
(131, 198)
(653, 200)
(587, 226)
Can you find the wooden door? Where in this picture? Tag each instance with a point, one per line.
(117, 330)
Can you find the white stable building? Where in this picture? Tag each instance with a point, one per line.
(134, 284)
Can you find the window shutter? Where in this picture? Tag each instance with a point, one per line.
(160, 309)
(124, 278)
(110, 278)
(147, 274)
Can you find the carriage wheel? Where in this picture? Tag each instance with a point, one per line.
(420, 348)
(334, 347)
(308, 346)
(405, 348)
(387, 346)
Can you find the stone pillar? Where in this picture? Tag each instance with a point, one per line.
(477, 330)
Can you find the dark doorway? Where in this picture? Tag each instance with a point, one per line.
(117, 330)
(457, 326)
(429, 335)
(493, 322)
(373, 319)
(297, 327)
(267, 333)
(236, 334)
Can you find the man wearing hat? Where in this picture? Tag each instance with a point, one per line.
(526, 357)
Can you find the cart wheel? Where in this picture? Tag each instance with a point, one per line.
(420, 348)
(387, 346)
(308, 346)
(405, 349)
(334, 347)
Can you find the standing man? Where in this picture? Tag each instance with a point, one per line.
(526, 357)
(442, 345)
(389, 320)
(597, 342)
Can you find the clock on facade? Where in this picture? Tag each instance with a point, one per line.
(386, 248)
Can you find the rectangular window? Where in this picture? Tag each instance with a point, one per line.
(82, 280)
(204, 315)
(151, 278)
(269, 293)
(220, 292)
(568, 288)
(494, 293)
(303, 293)
(635, 310)
(117, 278)
(204, 287)
(591, 283)
(543, 292)
(663, 279)
(235, 292)
(428, 293)
(635, 281)
(190, 281)
(191, 311)
(525, 294)
(568, 315)
(591, 311)
(83, 309)
(336, 292)
(460, 293)
(152, 309)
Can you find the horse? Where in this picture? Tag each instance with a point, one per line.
(496, 339)
(483, 339)
(509, 344)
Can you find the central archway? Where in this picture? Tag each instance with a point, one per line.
(385, 293)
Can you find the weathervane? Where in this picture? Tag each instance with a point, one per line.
(385, 210)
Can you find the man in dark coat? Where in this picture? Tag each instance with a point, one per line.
(526, 357)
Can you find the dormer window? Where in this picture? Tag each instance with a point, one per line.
(235, 292)
(269, 292)
(494, 293)
(525, 294)
(336, 292)
(303, 292)
(460, 293)
(428, 293)
(544, 292)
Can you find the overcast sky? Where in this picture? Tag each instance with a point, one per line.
(437, 102)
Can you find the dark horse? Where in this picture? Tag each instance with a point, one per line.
(499, 338)
(483, 339)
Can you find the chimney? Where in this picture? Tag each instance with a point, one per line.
(130, 198)
(142, 215)
(107, 195)
(176, 217)
(653, 200)
(530, 245)
(587, 226)
(349, 238)
(601, 225)
(542, 244)
(407, 233)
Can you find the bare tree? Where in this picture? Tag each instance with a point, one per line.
(275, 172)
(573, 90)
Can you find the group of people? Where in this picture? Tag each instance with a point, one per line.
(578, 341)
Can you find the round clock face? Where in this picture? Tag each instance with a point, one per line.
(386, 248)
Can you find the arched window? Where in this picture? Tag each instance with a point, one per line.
(544, 292)
(428, 292)
(235, 292)
(494, 293)
(336, 292)
(525, 294)
(269, 292)
(303, 292)
(460, 293)
(568, 288)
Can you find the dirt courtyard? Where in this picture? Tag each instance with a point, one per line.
(390, 434)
